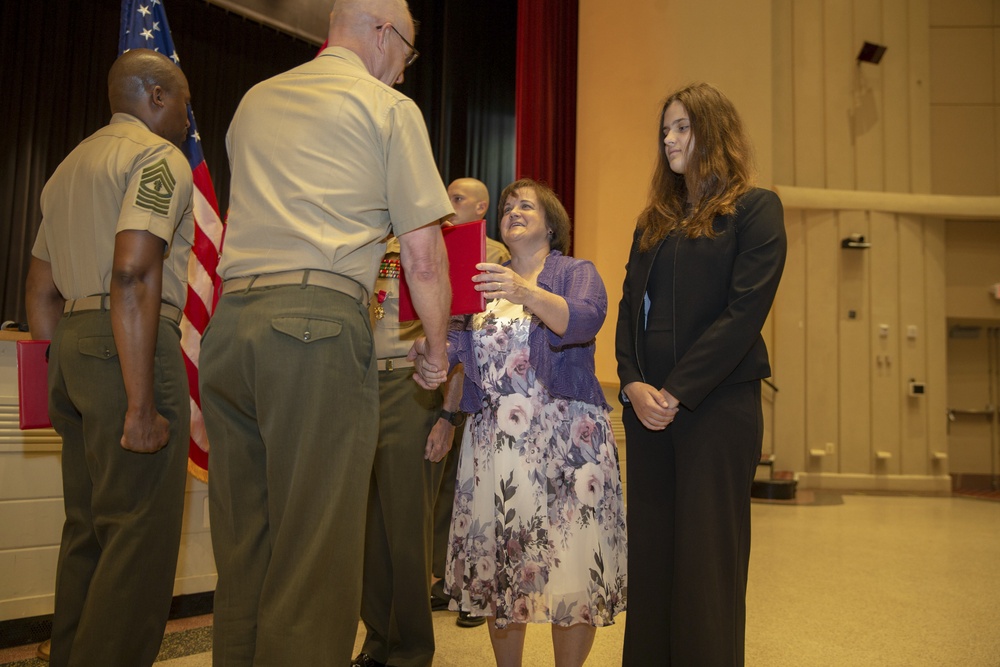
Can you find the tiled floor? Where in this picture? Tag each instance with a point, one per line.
(835, 579)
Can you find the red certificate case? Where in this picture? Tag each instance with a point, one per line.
(466, 246)
(33, 384)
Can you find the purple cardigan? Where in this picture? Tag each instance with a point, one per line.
(564, 364)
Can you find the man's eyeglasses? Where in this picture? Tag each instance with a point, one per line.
(414, 54)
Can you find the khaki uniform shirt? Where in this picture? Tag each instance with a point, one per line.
(122, 177)
(392, 337)
(325, 161)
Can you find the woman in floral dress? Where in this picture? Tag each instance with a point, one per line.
(538, 524)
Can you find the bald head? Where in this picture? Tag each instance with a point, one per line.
(355, 14)
(361, 26)
(149, 86)
(137, 72)
(470, 199)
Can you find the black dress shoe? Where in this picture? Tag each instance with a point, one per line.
(439, 600)
(365, 660)
(465, 620)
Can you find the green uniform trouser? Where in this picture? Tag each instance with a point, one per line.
(290, 398)
(119, 548)
(395, 604)
(443, 505)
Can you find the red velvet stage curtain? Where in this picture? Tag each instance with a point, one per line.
(546, 94)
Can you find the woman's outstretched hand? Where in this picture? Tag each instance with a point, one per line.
(500, 282)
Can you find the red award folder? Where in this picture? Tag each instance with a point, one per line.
(33, 384)
(466, 246)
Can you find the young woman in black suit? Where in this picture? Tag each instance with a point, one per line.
(706, 257)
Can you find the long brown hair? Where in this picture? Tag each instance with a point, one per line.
(719, 171)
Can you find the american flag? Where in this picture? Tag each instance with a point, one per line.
(144, 25)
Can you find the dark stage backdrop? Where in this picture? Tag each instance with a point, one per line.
(54, 59)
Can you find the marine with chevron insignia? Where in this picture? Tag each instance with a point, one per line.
(107, 282)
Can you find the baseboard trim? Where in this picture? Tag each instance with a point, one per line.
(860, 482)
(22, 631)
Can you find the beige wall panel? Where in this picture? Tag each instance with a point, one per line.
(196, 518)
(895, 99)
(867, 112)
(969, 446)
(788, 355)
(622, 80)
(853, 345)
(25, 476)
(972, 266)
(969, 442)
(822, 363)
(913, 350)
(961, 12)
(808, 76)
(768, 395)
(196, 570)
(937, 362)
(784, 94)
(28, 574)
(839, 95)
(31, 523)
(884, 354)
(919, 90)
(961, 65)
(963, 141)
(853, 342)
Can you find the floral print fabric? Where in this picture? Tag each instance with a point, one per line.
(538, 522)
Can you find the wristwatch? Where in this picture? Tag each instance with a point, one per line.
(453, 418)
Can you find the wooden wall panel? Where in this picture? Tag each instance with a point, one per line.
(913, 349)
(868, 108)
(895, 97)
(788, 356)
(783, 93)
(768, 395)
(822, 364)
(853, 345)
(937, 361)
(884, 354)
(808, 74)
(838, 94)
(919, 97)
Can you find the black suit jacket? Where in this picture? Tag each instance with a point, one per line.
(723, 289)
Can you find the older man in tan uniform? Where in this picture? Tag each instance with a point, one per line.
(327, 159)
(106, 284)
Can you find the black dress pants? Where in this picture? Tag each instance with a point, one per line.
(688, 499)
